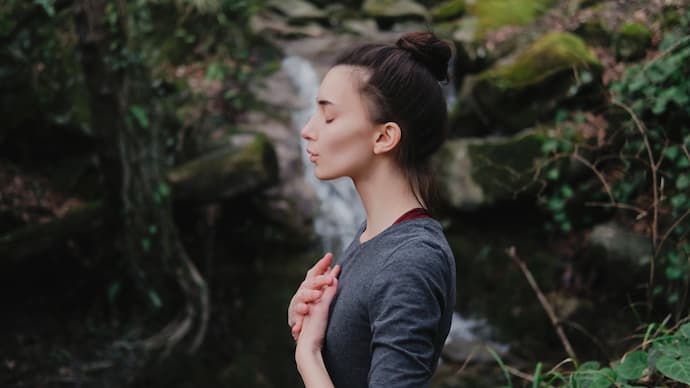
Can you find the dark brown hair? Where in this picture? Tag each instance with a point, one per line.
(403, 87)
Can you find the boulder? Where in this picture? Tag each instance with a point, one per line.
(389, 11)
(474, 173)
(246, 164)
(632, 41)
(514, 96)
(618, 243)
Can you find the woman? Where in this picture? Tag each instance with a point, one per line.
(380, 316)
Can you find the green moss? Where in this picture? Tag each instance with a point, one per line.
(448, 10)
(547, 56)
(493, 14)
(632, 41)
(635, 31)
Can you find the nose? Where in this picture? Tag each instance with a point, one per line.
(307, 131)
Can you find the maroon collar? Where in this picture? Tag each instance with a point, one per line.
(413, 214)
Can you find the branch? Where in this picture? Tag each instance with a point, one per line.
(596, 172)
(511, 252)
(655, 204)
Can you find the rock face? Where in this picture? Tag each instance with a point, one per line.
(514, 96)
(479, 172)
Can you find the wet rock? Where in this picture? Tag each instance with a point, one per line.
(388, 11)
(619, 243)
(632, 41)
(468, 339)
(513, 96)
(479, 172)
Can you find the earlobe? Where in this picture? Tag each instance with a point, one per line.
(388, 137)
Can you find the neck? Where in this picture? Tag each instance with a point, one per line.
(386, 195)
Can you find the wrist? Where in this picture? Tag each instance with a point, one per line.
(307, 355)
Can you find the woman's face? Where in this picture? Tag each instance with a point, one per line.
(340, 137)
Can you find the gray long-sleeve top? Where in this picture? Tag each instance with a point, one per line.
(393, 309)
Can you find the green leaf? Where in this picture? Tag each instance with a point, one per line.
(684, 331)
(672, 152)
(140, 115)
(588, 375)
(678, 200)
(683, 181)
(633, 366)
(674, 273)
(677, 369)
(553, 174)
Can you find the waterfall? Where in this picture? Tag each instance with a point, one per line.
(340, 211)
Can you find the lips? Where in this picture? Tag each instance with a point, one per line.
(312, 155)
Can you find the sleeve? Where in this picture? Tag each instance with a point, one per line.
(406, 304)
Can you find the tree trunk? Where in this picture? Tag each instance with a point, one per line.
(132, 158)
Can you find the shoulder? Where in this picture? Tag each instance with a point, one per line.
(419, 243)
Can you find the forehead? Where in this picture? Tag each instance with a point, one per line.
(341, 85)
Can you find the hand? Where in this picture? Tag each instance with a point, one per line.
(314, 325)
(319, 276)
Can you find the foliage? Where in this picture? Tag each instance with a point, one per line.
(647, 163)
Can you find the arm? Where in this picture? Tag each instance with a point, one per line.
(408, 301)
(308, 353)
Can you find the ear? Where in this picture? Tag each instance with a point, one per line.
(387, 137)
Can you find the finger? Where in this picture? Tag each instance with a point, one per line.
(296, 330)
(318, 282)
(336, 271)
(302, 308)
(320, 267)
(329, 293)
(306, 296)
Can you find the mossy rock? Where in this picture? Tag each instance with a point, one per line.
(632, 41)
(494, 14)
(594, 32)
(392, 10)
(475, 173)
(448, 10)
(556, 67)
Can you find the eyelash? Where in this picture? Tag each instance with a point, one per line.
(328, 121)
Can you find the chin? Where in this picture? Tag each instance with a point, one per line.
(325, 175)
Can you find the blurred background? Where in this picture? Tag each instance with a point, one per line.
(157, 211)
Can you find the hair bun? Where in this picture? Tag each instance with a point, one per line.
(429, 50)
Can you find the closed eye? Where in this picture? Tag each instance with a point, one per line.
(328, 121)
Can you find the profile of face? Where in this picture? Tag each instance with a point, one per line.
(340, 137)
